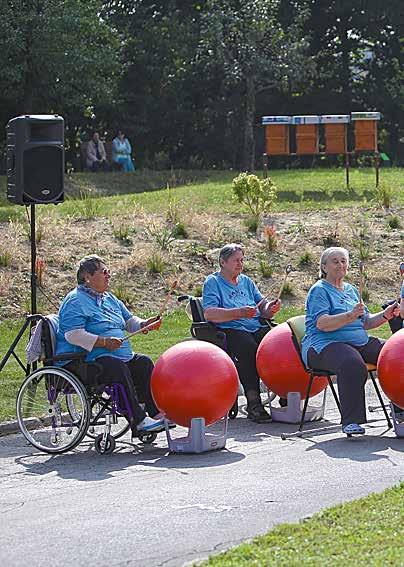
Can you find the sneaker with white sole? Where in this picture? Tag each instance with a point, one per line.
(160, 415)
(150, 425)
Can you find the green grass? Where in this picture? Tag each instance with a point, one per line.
(211, 190)
(366, 532)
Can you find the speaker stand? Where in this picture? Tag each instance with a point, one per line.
(30, 319)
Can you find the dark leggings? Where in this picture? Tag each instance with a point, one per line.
(134, 375)
(349, 365)
(243, 346)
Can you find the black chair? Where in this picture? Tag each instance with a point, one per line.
(297, 326)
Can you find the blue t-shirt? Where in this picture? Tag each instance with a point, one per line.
(325, 299)
(402, 291)
(79, 310)
(218, 292)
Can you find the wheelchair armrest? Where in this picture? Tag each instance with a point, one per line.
(206, 331)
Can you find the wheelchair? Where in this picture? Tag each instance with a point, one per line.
(56, 409)
(203, 330)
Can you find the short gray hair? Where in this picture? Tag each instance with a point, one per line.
(88, 265)
(326, 254)
(228, 250)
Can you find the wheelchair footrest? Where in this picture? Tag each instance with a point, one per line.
(199, 438)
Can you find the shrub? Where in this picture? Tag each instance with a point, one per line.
(156, 264)
(266, 269)
(306, 259)
(394, 222)
(162, 235)
(287, 290)
(121, 232)
(332, 238)
(179, 230)
(87, 206)
(121, 291)
(383, 195)
(5, 258)
(251, 224)
(258, 195)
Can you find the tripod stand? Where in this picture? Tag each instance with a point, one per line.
(30, 318)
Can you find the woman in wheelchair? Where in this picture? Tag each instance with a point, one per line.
(94, 320)
(336, 338)
(233, 301)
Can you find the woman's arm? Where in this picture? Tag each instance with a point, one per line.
(88, 341)
(329, 323)
(377, 319)
(221, 314)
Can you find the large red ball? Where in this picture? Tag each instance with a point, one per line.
(390, 368)
(280, 367)
(194, 379)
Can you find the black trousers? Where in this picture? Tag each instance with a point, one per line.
(349, 365)
(243, 346)
(134, 375)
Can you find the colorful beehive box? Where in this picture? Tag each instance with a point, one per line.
(276, 135)
(365, 130)
(335, 130)
(306, 134)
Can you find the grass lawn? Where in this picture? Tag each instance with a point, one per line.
(209, 190)
(366, 532)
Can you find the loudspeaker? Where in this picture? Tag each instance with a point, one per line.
(35, 159)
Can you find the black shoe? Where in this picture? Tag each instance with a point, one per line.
(258, 414)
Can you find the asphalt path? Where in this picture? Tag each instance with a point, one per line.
(142, 506)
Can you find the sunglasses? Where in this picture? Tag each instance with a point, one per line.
(106, 272)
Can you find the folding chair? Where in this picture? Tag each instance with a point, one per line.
(297, 325)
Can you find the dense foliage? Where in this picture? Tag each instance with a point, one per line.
(190, 80)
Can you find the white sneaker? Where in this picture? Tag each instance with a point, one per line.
(150, 424)
(161, 415)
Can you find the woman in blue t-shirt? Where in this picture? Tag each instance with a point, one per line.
(233, 302)
(336, 336)
(93, 320)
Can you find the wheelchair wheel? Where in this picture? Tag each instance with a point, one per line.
(100, 405)
(109, 445)
(147, 438)
(43, 412)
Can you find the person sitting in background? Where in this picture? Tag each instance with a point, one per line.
(233, 301)
(93, 320)
(96, 156)
(336, 338)
(121, 152)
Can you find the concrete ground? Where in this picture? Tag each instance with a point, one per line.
(144, 507)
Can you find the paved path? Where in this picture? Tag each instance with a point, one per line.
(148, 508)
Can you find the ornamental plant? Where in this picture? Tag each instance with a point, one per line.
(258, 195)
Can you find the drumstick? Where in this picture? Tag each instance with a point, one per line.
(141, 330)
(361, 280)
(288, 269)
(401, 268)
(167, 298)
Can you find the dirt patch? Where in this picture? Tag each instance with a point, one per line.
(130, 248)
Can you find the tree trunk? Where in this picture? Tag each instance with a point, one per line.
(249, 142)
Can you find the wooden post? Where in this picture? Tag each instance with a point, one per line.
(265, 161)
(347, 169)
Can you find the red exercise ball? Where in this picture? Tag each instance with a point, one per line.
(390, 368)
(194, 379)
(280, 367)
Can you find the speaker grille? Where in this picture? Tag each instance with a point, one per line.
(43, 174)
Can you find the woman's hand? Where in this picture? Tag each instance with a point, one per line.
(247, 312)
(391, 311)
(357, 311)
(154, 327)
(274, 306)
(110, 343)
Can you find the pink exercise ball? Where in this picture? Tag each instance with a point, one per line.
(390, 368)
(280, 367)
(194, 379)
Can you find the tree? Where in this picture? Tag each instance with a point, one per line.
(254, 51)
(57, 56)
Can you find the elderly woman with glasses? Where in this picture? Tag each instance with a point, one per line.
(93, 320)
(233, 302)
(336, 336)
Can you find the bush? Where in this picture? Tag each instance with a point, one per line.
(156, 264)
(383, 195)
(306, 259)
(393, 222)
(258, 195)
(266, 269)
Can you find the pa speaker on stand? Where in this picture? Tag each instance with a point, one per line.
(35, 159)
